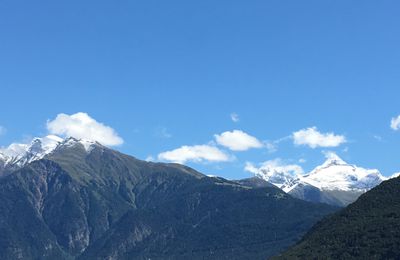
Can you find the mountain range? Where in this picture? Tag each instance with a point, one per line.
(77, 199)
(334, 182)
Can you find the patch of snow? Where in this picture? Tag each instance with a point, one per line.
(395, 175)
(87, 144)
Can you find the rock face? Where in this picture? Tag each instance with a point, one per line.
(85, 201)
(367, 229)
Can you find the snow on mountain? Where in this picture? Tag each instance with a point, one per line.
(21, 154)
(17, 155)
(395, 175)
(335, 181)
(276, 172)
(87, 144)
(336, 174)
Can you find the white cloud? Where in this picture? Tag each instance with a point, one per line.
(3, 130)
(238, 140)
(313, 138)
(82, 126)
(235, 117)
(275, 165)
(196, 153)
(395, 123)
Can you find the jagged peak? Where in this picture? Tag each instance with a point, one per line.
(22, 153)
(39, 147)
(86, 143)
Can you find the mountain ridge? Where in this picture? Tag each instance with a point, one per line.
(98, 203)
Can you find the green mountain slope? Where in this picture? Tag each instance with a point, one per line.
(366, 229)
(101, 204)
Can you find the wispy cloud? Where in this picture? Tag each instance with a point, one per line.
(162, 132)
(235, 117)
(271, 146)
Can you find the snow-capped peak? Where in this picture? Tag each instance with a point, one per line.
(336, 174)
(276, 172)
(332, 159)
(46, 144)
(333, 174)
(87, 144)
(19, 154)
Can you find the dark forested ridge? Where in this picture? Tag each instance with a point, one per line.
(366, 229)
(101, 204)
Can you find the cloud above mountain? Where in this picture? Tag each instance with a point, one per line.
(82, 126)
(195, 153)
(313, 138)
(395, 123)
(238, 140)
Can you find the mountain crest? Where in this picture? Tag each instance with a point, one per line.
(87, 144)
(333, 159)
(20, 154)
(17, 155)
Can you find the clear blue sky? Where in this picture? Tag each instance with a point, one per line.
(165, 74)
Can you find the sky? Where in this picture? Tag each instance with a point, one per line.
(216, 85)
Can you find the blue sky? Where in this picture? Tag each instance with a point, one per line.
(164, 74)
